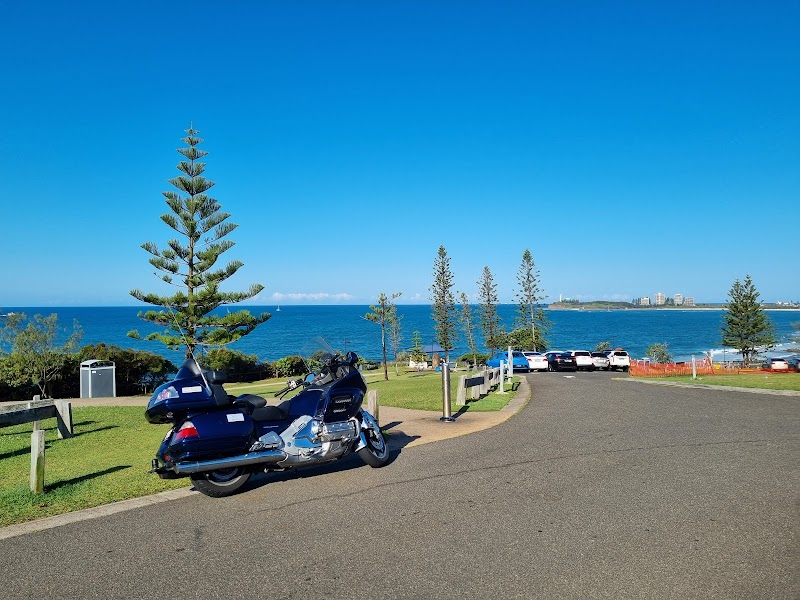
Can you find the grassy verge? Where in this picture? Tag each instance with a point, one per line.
(765, 381)
(420, 391)
(106, 461)
(110, 455)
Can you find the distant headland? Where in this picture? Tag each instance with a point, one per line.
(609, 305)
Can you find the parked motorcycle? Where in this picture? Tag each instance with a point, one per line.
(219, 440)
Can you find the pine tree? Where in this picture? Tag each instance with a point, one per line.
(189, 263)
(469, 327)
(444, 303)
(396, 336)
(529, 296)
(490, 320)
(746, 326)
(384, 313)
(417, 351)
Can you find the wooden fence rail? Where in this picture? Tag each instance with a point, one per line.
(34, 412)
(480, 385)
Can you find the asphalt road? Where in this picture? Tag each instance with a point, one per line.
(598, 488)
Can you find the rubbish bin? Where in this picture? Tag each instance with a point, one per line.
(98, 379)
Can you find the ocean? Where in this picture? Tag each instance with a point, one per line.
(292, 329)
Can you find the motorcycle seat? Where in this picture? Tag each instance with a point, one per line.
(271, 412)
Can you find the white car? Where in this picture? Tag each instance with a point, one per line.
(619, 359)
(583, 360)
(776, 364)
(536, 360)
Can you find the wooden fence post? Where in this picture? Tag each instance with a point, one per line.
(372, 405)
(37, 459)
(63, 418)
(461, 394)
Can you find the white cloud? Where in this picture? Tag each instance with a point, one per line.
(317, 297)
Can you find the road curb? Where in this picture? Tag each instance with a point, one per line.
(93, 513)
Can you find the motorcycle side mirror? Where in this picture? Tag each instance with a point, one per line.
(309, 378)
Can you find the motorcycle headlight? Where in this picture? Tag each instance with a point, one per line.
(167, 393)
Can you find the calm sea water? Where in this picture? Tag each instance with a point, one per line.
(292, 329)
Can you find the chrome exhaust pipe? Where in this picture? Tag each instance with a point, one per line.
(244, 460)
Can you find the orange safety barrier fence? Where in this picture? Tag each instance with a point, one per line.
(643, 368)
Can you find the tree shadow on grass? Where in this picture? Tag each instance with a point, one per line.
(74, 480)
(104, 428)
(13, 453)
(52, 427)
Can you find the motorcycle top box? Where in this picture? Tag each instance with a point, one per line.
(188, 392)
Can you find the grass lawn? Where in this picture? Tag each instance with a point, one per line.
(765, 381)
(110, 455)
(106, 461)
(420, 391)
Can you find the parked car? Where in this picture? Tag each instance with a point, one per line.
(600, 360)
(776, 364)
(794, 364)
(561, 361)
(520, 363)
(583, 360)
(536, 360)
(619, 359)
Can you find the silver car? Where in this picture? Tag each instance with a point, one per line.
(600, 360)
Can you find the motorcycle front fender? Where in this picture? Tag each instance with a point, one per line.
(367, 422)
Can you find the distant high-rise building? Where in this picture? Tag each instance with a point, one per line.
(661, 299)
(678, 299)
(688, 301)
(644, 301)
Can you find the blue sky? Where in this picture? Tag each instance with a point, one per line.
(632, 147)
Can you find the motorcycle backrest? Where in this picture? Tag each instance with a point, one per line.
(217, 376)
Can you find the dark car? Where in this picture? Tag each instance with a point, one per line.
(561, 361)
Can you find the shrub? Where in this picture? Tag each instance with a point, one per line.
(467, 358)
(237, 365)
(290, 366)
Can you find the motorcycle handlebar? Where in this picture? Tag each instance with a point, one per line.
(292, 384)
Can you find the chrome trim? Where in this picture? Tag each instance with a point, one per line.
(368, 422)
(244, 460)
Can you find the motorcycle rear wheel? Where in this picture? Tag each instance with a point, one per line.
(220, 483)
(376, 452)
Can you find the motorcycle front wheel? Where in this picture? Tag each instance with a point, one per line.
(220, 483)
(376, 452)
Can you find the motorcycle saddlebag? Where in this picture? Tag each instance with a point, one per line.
(220, 433)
